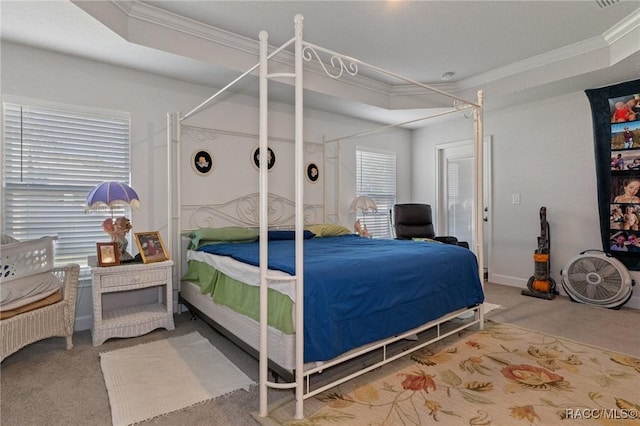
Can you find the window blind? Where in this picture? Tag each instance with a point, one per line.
(51, 159)
(376, 178)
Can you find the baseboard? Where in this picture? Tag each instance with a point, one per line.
(83, 323)
(633, 303)
(507, 280)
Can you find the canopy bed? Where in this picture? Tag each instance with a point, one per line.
(259, 265)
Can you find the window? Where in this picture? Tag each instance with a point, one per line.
(376, 177)
(52, 158)
(459, 198)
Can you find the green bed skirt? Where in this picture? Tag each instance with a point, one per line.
(240, 297)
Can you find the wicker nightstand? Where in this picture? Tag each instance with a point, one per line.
(138, 320)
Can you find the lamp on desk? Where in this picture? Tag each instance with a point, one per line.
(364, 204)
(114, 194)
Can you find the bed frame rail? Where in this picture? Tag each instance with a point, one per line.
(435, 325)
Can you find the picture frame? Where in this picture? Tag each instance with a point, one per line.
(202, 162)
(271, 158)
(151, 247)
(312, 172)
(108, 254)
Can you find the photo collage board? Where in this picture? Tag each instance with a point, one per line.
(617, 139)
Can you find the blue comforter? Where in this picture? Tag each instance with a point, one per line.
(359, 290)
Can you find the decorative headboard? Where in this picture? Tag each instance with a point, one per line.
(245, 211)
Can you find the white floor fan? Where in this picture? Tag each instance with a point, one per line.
(596, 278)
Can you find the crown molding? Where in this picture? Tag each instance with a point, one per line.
(577, 51)
(629, 24)
(125, 6)
(137, 11)
(171, 21)
(588, 53)
(580, 49)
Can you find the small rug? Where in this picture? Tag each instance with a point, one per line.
(153, 379)
(503, 375)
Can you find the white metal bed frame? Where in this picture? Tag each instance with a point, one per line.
(305, 51)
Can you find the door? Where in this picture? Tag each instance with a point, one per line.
(455, 193)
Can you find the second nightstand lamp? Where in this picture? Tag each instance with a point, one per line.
(364, 204)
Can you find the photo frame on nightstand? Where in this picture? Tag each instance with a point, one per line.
(108, 254)
(151, 247)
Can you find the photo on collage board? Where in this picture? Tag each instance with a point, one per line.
(625, 241)
(625, 109)
(624, 211)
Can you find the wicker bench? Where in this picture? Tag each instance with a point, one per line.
(23, 259)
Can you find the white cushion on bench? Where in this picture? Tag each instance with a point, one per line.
(25, 290)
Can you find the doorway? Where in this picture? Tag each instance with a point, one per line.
(455, 193)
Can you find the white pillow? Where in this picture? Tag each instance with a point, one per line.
(22, 291)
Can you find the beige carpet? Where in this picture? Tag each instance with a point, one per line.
(488, 307)
(504, 375)
(152, 379)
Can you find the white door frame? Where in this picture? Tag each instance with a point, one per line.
(441, 215)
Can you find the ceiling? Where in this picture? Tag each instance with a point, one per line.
(515, 51)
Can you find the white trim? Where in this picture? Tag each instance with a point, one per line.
(76, 109)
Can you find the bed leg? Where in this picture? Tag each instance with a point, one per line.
(275, 376)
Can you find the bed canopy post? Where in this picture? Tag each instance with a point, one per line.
(264, 222)
(299, 215)
(173, 196)
(479, 193)
(305, 51)
(331, 161)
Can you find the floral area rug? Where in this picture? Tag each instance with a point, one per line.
(503, 375)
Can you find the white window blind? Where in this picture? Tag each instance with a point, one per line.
(376, 178)
(51, 159)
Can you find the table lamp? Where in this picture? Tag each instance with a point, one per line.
(113, 194)
(364, 204)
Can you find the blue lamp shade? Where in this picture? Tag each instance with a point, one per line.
(111, 194)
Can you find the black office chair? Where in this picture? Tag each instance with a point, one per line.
(416, 221)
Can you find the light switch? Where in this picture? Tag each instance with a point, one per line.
(515, 198)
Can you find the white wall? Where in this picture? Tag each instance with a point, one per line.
(539, 151)
(545, 152)
(51, 77)
(318, 127)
